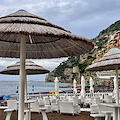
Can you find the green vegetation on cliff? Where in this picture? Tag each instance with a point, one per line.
(112, 28)
(87, 62)
(70, 63)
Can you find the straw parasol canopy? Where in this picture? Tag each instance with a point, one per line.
(30, 66)
(24, 35)
(43, 39)
(110, 61)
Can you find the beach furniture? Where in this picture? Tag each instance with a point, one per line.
(80, 99)
(96, 100)
(99, 111)
(55, 106)
(94, 108)
(46, 100)
(39, 107)
(69, 107)
(75, 100)
(97, 116)
(53, 100)
(116, 110)
(27, 107)
(95, 113)
(62, 97)
(35, 107)
(11, 106)
(108, 99)
(87, 101)
(70, 98)
(42, 104)
(43, 112)
(106, 110)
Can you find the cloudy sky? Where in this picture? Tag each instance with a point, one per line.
(82, 17)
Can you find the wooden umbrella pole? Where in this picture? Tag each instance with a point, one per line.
(117, 87)
(22, 78)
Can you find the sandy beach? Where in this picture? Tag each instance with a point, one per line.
(51, 116)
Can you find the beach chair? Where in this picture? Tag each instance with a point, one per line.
(47, 101)
(42, 105)
(96, 100)
(108, 99)
(108, 111)
(55, 106)
(99, 111)
(87, 101)
(12, 106)
(47, 104)
(94, 108)
(68, 107)
(35, 107)
(53, 100)
(75, 100)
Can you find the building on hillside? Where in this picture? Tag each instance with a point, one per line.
(114, 40)
(107, 74)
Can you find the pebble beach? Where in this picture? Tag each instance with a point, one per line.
(51, 116)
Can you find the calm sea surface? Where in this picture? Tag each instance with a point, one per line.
(10, 87)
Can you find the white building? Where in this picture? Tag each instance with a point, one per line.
(106, 75)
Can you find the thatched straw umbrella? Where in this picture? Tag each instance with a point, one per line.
(110, 61)
(24, 35)
(30, 66)
(31, 69)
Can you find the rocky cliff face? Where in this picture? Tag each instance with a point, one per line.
(103, 43)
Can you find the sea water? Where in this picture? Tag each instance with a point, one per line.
(12, 87)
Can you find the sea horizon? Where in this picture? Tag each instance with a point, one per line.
(11, 87)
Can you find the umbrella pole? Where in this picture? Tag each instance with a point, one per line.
(22, 78)
(117, 87)
(26, 88)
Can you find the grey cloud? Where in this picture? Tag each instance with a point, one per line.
(83, 17)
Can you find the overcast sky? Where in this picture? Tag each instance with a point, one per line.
(82, 17)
